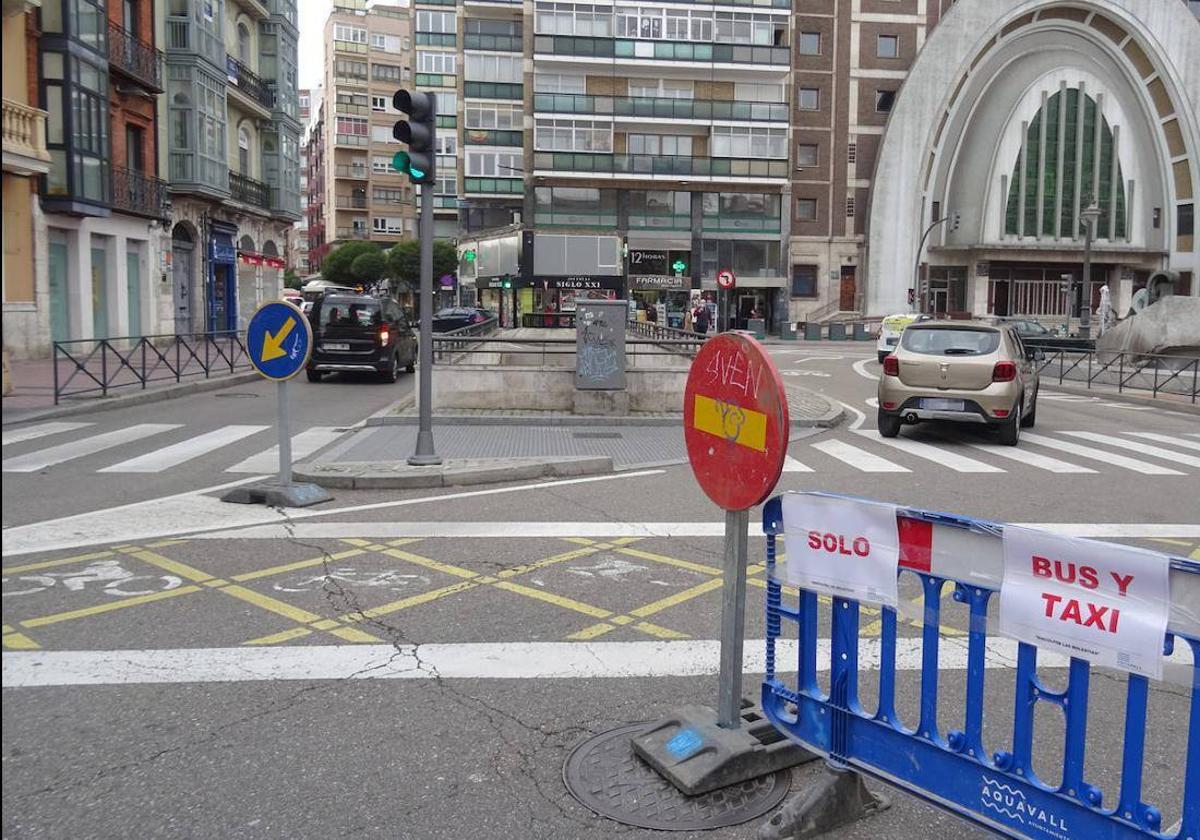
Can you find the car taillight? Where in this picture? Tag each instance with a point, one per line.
(1004, 372)
(891, 366)
(384, 335)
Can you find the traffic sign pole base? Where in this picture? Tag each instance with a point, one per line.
(694, 754)
(837, 797)
(274, 493)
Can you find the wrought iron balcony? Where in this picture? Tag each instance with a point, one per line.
(139, 194)
(249, 83)
(133, 57)
(249, 191)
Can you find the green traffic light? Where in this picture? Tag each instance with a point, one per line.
(400, 162)
(417, 174)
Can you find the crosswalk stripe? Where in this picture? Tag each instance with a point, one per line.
(1033, 459)
(1099, 455)
(34, 461)
(303, 445)
(1128, 406)
(1065, 397)
(860, 459)
(790, 464)
(1177, 458)
(958, 463)
(178, 453)
(41, 430)
(1186, 444)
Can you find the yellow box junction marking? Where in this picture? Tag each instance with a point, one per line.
(743, 426)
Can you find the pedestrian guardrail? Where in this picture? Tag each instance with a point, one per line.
(1082, 619)
(96, 366)
(1158, 374)
(454, 349)
(449, 342)
(548, 320)
(687, 342)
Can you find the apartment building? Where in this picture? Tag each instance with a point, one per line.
(368, 57)
(297, 250)
(233, 135)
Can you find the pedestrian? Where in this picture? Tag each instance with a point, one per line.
(700, 319)
(687, 320)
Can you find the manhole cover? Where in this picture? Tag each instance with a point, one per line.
(605, 775)
(597, 435)
(238, 395)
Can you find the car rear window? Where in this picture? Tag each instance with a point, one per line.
(350, 313)
(950, 342)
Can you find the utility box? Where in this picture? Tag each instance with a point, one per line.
(812, 331)
(837, 332)
(600, 345)
(860, 332)
(757, 326)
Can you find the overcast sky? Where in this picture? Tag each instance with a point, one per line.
(311, 56)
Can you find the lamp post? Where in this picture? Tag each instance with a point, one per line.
(953, 218)
(1089, 215)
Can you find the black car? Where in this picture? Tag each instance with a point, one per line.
(457, 317)
(360, 333)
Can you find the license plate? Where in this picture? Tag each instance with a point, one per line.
(942, 405)
(335, 346)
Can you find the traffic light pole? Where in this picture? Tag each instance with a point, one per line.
(425, 456)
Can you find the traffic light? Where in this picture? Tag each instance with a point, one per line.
(955, 218)
(507, 282)
(419, 132)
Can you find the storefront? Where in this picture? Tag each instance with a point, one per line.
(495, 294)
(551, 301)
(660, 298)
(222, 279)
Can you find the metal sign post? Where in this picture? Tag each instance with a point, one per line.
(733, 619)
(285, 433)
(425, 455)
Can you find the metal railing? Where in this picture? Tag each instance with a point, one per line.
(686, 342)
(134, 57)
(582, 163)
(248, 82)
(457, 349)
(95, 366)
(249, 191)
(548, 320)
(1158, 374)
(446, 344)
(140, 194)
(593, 47)
(660, 107)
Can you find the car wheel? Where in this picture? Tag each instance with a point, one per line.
(392, 372)
(1010, 432)
(313, 375)
(882, 355)
(1029, 419)
(411, 366)
(889, 424)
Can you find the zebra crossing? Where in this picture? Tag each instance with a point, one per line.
(208, 444)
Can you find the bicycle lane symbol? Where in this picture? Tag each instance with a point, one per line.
(350, 576)
(108, 575)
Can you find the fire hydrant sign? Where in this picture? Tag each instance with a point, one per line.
(1098, 601)
(844, 548)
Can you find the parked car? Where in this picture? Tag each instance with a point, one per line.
(1036, 334)
(891, 328)
(360, 333)
(457, 317)
(963, 371)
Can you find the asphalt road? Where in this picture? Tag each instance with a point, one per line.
(200, 728)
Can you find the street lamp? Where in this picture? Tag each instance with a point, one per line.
(1089, 215)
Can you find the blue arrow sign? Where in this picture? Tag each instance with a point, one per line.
(279, 340)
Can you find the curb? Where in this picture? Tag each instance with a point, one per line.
(398, 475)
(1136, 399)
(169, 392)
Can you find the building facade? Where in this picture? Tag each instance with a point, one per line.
(233, 134)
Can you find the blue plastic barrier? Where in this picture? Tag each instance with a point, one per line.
(954, 771)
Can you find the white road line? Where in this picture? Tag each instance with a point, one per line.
(43, 458)
(471, 660)
(859, 417)
(1066, 397)
(944, 457)
(860, 459)
(303, 445)
(40, 430)
(454, 529)
(1127, 406)
(1033, 459)
(178, 453)
(1177, 458)
(860, 367)
(790, 465)
(1186, 444)
(1134, 464)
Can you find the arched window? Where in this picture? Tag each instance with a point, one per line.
(180, 235)
(243, 151)
(243, 44)
(246, 244)
(269, 249)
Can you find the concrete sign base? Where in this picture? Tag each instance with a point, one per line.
(274, 493)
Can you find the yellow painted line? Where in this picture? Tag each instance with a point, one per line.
(404, 541)
(676, 599)
(669, 561)
(299, 564)
(627, 540)
(659, 632)
(577, 554)
(49, 564)
(622, 619)
(727, 421)
(165, 543)
(19, 641)
(8, 629)
(285, 636)
(183, 570)
(411, 601)
(115, 605)
(270, 604)
(593, 632)
(871, 628)
(444, 568)
(352, 634)
(216, 583)
(325, 624)
(1195, 555)
(1184, 543)
(557, 600)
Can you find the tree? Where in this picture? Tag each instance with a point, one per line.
(337, 266)
(291, 280)
(404, 261)
(369, 268)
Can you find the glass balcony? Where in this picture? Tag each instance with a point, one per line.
(707, 53)
(139, 194)
(660, 221)
(353, 233)
(492, 137)
(437, 80)
(734, 223)
(249, 191)
(352, 202)
(134, 58)
(436, 39)
(660, 107)
(493, 43)
(497, 186)
(358, 171)
(494, 90)
(550, 218)
(249, 83)
(581, 163)
(187, 35)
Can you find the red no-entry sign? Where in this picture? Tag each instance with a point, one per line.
(735, 421)
(726, 279)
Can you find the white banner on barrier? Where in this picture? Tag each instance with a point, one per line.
(1098, 601)
(842, 547)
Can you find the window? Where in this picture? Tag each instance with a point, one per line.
(493, 164)
(243, 152)
(579, 206)
(749, 28)
(446, 144)
(804, 281)
(488, 115)
(808, 99)
(379, 103)
(660, 203)
(850, 207)
(573, 136)
(806, 209)
(135, 144)
(751, 92)
(852, 153)
(661, 88)
(351, 125)
(428, 21)
(384, 73)
(884, 100)
(382, 134)
(573, 19)
(387, 43)
(749, 142)
(887, 46)
(353, 34)
(378, 40)
(389, 195)
(381, 165)
(807, 154)
(483, 26)
(481, 67)
(437, 62)
(243, 43)
(388, 224)
(344, 68)
(446, 184)
(809, 43)
(447, 103)
(659, 144)
(558, 83)
(1185, 220)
